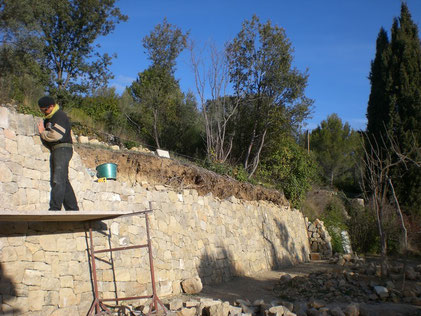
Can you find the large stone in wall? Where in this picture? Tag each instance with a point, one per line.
(192, 285)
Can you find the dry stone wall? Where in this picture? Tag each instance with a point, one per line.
(319, 238)
(45, 268)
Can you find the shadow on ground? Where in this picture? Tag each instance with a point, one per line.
(261, 285)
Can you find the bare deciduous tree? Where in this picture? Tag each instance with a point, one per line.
(378, 183)
(219, 109)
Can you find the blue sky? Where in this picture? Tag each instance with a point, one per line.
(333, 39)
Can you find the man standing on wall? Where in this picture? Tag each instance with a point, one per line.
(55, 132)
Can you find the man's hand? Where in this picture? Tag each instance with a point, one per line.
(41, 127)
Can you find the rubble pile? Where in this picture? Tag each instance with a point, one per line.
(394, 271)
(354, 281)
(210, 307)
(193, 306)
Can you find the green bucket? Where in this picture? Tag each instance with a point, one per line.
(107, 170)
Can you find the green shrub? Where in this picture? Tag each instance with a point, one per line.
(363, 231)
(335, 234)
(236, 172)
(80, 116)
(291, 170)
(335, 221)
(130, 144)
(29, 109)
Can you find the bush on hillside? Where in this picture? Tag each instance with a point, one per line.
(335, 219)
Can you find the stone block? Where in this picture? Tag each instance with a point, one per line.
(25, 124)
(6, 174)
(35, 300)
(122, 274)
(32, 196)
(81, 244)
(315, 256)
(31, 173)
(82, 287)
(32, 277)
(163, 153)
(187, 311)
(83, 140)
(94, 142)
(165, 288)
(19, 198)
(278, 310)
(176, 304)
(66, 245)
(134, 288)
(75, 269)
(50, 283)
(192, 285)
(143, 276)
(107, 276)
(23, 253)
(66, 281)
(42, 266)
(16, 240)
(8, 254)
(25, 145)
(67, 297)
(159, 187)
(216, 309)
(9, 134)
(11, 146)
(4, 117)
(12, 119)
(235, 310)
(51, 297)
(23, 182)
(48, 242)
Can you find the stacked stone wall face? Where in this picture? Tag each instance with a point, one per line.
(319, 239)
(45, 267)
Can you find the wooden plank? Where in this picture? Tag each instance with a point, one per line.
(58, 216)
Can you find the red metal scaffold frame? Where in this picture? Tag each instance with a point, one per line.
(98, 304)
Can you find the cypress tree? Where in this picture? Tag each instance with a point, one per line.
(379, 107)
(394, 106)
(405, 69)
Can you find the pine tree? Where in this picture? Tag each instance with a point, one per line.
(335, 146)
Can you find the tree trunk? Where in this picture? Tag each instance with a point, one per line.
(383, 244)
(404, 231)
(155, 129)
(253, 137)
(256, 159)
(331, 179)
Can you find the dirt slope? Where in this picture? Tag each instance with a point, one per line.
(136, 167)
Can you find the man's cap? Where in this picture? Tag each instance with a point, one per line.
(46, 101)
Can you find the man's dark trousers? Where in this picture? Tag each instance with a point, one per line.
(61, 190)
